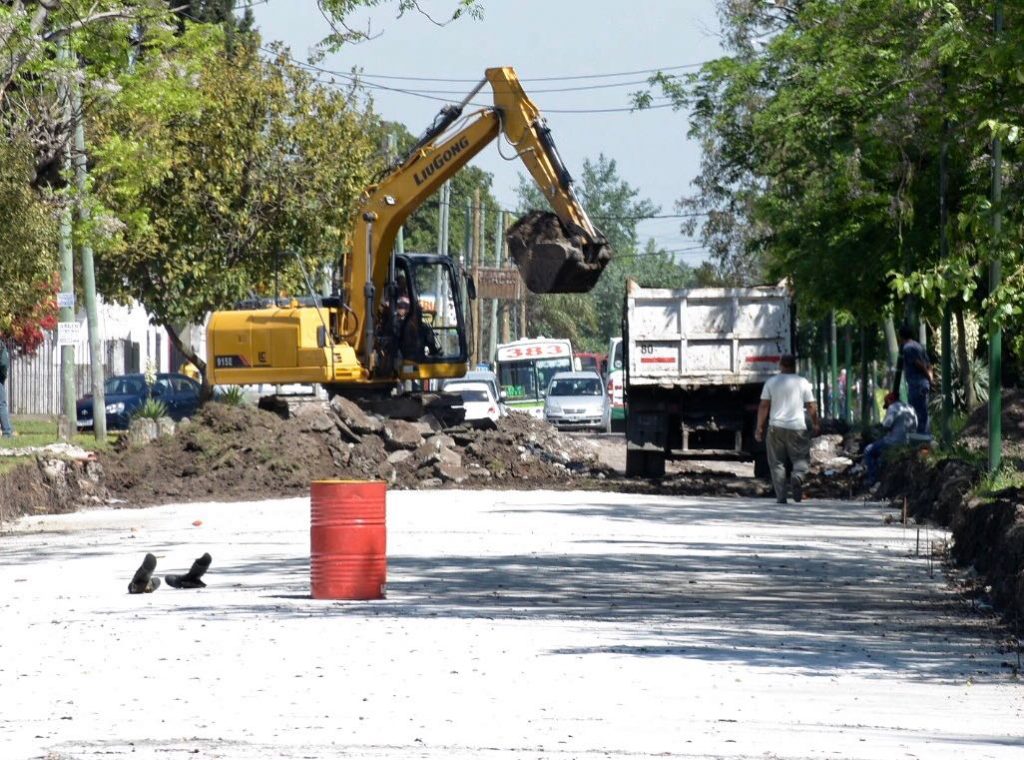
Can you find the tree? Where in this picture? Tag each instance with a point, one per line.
(337, 13)
(823, 130)
(27, 304)
(210, 164)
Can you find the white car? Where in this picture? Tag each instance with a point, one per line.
(481, 376)
(576, 400)
(478, 400)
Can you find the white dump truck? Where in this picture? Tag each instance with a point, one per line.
(695, 362)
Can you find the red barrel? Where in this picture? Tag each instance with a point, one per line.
(348, 542)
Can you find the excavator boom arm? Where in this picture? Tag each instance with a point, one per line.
(437, 156)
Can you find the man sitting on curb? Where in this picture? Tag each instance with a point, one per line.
(900, 421)
(784, 401)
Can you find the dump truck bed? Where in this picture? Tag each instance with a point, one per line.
(706, 336)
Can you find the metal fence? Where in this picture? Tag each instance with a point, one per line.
(34, 384)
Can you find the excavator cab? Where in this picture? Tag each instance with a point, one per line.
(421, 329)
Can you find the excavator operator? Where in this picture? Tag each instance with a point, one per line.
(408, 336)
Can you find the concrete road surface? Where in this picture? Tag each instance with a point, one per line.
(517, 625)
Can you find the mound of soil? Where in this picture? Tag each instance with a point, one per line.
(975, 433)
(225, 452)
(235, 453)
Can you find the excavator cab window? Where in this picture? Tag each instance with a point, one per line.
(432, 331)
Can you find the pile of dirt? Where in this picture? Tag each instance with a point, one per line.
(975, 433)
(988, 536)
(234, 453)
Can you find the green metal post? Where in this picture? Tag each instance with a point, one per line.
(865, 391)
(995, 337)
(947, 341)
(848, 364)
(834, 367)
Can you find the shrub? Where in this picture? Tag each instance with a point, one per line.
(153, 409)
(233, 396)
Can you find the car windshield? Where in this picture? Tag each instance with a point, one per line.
(124, 386)
(576, 387)
(471, 395)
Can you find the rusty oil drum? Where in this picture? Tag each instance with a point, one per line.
(347, 537)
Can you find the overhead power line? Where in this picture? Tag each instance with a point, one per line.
(360, 80)
(550, 79)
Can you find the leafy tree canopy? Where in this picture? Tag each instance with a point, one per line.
(211, 163)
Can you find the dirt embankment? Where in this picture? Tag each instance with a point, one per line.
(988, 531)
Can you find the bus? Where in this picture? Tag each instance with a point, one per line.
(615, 383)
(525, 367)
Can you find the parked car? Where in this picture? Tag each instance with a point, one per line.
(576, 400)
(477, 398)
(482, 376)
(124, 394)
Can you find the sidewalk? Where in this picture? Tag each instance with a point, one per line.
(517, 625)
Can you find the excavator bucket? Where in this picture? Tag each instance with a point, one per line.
(551, 259)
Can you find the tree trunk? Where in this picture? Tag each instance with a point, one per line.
(192, 356)
(964, 362)
(892, 350)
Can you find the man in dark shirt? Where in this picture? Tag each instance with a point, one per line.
(914, 362)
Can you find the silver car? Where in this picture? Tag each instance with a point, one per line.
(576, 400)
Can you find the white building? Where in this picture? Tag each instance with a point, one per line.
(130, 344)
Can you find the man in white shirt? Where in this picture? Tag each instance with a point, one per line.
(781, 424)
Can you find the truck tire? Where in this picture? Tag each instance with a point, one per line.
(644, 464)
(655, 464)
(634, 463)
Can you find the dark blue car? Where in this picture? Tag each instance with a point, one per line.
(124, 394)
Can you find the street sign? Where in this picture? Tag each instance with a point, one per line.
(65, 300)
(495, 282)
(70, 333)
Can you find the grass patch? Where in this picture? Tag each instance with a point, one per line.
(1007, 476)
(41, 431)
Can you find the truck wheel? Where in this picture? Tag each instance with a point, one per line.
(645, 464)
(655, 465)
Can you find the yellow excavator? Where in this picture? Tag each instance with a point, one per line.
(396, 317)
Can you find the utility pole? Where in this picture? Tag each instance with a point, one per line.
(477, 311)
(499, 234)
(995, 275)
(392, 150)
(67, 425)
(99, 404)
(506, 308)
(467, 260)
(444, 214)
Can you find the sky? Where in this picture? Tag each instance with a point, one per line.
(557, 47)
